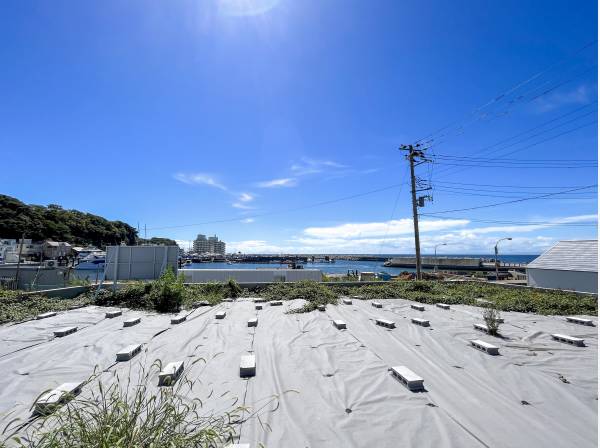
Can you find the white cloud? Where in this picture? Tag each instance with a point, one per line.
(393, 227)
(245, 197)
(199, 179)
(312, 166)
(247, 221)
(242, 206)
(256, 247)
(578, 96)
(396, 236)
(521, 228)
(277, 183)
(184, 244)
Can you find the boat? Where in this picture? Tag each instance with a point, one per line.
(93, 261)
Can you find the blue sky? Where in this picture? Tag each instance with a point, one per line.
(276, 124)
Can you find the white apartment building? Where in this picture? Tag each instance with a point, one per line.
(210, 245)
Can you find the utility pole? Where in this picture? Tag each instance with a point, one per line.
(496, 263)
(19, 261)
(416, 157)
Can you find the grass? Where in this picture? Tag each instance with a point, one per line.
(168, 294)
(132, 413)
(524, 300)
(313, 293)
(15, 306)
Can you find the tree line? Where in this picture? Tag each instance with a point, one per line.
(52, 222)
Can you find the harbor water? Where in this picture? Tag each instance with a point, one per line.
(339, 267)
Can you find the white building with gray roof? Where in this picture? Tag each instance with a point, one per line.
(568, 265)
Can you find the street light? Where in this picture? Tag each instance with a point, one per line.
(435, 255)
(496, 252)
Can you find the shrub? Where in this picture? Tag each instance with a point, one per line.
(233, 288)
(134, 296)
(166, 292)
(491, 316)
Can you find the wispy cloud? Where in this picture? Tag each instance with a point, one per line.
(242, 206)
(200, 179)
(582, 94)
(311, 166)
(257, 247)
(247, 221)
(278, 183)
(245, 197)
(393, 227)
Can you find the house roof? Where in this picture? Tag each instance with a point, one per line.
(576, 255)
(57, 243)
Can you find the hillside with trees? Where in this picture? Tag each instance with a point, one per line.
(52, 222)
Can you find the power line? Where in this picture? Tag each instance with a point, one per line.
(516, 165)
(530, 137)
(560, 117)
(483, 159)
(487, 190)
(509, 222)
(502, 96)
(539, 142)
(508, 202)
(276, 212)
(507, 185)
(511, 195)
(387, 229)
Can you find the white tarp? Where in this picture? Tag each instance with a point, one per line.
(339, 390)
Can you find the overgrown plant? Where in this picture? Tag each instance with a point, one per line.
(491, 317)
(233, 288)
(133, 413)
(167, 292)
(16, 306)
(312, 292)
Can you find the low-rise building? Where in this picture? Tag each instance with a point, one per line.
(10, 249)
(56, 249)
(568, 265)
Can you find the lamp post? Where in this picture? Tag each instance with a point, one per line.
(496, 253)
(435, 255)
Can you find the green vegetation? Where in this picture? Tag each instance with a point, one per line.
(490, 316)
(157, 241)
(314, 293)
(55, 223)
(132, 414)
(168, 294)
(523, 300)
(15, 306)
(165, 295)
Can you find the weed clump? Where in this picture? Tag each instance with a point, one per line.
(165, 295)
(132, 413)
(16, 306)
(314, 293)
(491, 317)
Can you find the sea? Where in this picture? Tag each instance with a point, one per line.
(339, 267)
(343, 266)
